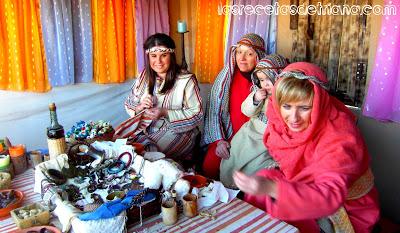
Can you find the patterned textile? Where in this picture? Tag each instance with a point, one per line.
(271, 65)
(254, 41)
(67, 33)
(217, 123)
(300, 75)
(340, 219)
(383, 99)
(150, 17)
(132, 127)
(22, 60)
(173, 135)
(264, 25)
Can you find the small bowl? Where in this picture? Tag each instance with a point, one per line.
(56, 176)
(196, 181)
(20, 197)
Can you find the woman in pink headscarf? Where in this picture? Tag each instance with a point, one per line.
(324, 181)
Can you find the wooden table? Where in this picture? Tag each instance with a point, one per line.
(236, 216)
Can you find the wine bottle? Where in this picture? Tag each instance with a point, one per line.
(55, 134)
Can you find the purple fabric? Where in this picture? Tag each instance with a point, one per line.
(383, 96)
(263, 25)
(151, 17)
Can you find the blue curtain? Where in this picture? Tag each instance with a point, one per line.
(67, 35)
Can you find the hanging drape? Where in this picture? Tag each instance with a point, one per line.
(383, 96)
(151, 17)
(109, 29)
(56, 22)
(263, 25)
(22, 62)
(130, 40)
(209, 49)
(83, 46)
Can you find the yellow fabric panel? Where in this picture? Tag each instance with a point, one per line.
(209, 49)
(22, 61)
(110, 28)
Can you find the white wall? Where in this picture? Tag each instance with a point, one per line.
(25, 116)
(383, 141)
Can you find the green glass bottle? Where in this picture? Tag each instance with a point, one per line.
(55, 134)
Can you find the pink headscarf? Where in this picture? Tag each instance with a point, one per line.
(331, 122)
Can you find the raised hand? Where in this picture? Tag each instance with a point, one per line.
(261, 94)
(146, 103)
(155, 113)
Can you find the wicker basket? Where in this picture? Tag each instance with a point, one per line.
(39, 219)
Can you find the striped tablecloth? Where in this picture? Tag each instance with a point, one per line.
(236, 216)
(23, 182)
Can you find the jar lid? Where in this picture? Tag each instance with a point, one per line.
(16, 150)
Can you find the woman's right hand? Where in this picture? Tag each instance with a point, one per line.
(146, 103)
(222, 149)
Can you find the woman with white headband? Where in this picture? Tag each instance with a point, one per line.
(167, 96)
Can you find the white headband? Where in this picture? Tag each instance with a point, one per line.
(159, 49)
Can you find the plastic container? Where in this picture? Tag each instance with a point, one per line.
(18, 158)
(4, 160)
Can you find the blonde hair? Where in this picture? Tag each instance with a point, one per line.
(291, 89)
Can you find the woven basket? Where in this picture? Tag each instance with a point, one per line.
(42, 218)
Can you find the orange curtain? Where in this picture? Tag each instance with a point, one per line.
(130, 39)
(209, 49)
(113, 32)
(22, 60)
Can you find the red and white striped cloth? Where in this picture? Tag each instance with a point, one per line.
(23, 182)
(236, 216)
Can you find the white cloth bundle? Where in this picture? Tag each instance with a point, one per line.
(115, 225)
(65, 212)
(58, 163)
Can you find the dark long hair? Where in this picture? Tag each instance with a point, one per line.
(160, 39)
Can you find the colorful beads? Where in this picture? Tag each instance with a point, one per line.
(85, 130)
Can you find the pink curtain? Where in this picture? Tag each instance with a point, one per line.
(151, 17)
(383, 96)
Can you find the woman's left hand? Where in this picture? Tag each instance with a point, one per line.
(155, 113)
(255, 185)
